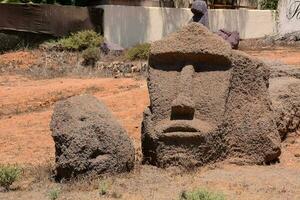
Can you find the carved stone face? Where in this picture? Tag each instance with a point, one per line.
(187, 106)
(207, 103)
(187, 100)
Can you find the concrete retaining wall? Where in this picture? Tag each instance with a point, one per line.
(130, 25)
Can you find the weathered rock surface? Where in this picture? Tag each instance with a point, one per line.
(207, 103)
(249, 123)
(191, 43)
(88, 139)
(285, 94)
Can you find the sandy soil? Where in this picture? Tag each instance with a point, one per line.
(25, 112)
(284, 55)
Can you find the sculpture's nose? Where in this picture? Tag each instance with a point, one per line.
(183, 107)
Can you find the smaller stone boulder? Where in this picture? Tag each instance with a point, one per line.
(88, 139)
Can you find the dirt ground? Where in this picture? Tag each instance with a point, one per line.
(282, 55)
(25, 111)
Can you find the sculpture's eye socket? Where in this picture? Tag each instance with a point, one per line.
(170, 66)
(201, 62)
(198, 67)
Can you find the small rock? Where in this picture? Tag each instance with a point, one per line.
(111, 48)
(269, 41)
(292, 38)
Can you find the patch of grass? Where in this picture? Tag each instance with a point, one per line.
(8, 175)
(80, 41)
(103, 188)
(54, 193)
(139, 52)
(201, 194)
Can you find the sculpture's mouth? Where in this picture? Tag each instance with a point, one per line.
(180, 128)
(183, 128)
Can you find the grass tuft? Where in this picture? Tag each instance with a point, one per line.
(54, 193)
(103, 188)
(201, 194)
(8, 175)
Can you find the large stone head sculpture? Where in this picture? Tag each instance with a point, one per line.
(207, 103)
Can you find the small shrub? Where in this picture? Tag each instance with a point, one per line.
(91, 56)
(8, 175)
(201, 194)
(80, 41)
(103, 188)
(269, 4)
(139, 52)
(54, 193)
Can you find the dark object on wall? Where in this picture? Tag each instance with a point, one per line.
(233, 38)
(199, 9)
(53, 20)
(96, 17)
